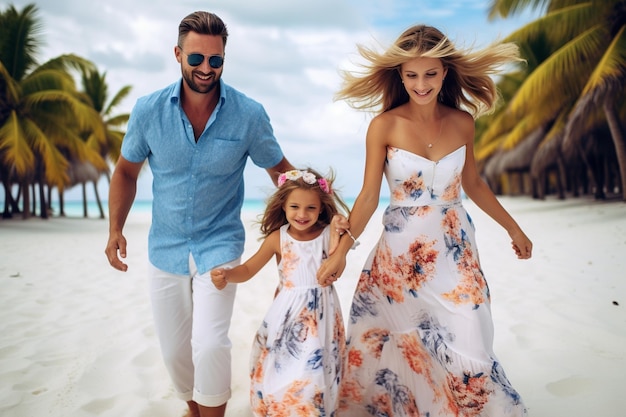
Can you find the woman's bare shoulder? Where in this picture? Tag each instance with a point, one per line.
(390, 118)
(460, 119)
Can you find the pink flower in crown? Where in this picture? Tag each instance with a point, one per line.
(324, 185)
(307, 177)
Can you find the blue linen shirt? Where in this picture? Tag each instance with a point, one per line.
(198, 187)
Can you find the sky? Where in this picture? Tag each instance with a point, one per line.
(285, 54)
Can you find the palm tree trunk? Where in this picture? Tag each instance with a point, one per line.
(617, 135)
(43, 201)
(8, 199)
(95, 190)
(25, 200)
(33, 188)
(61, 202)
(85, 215)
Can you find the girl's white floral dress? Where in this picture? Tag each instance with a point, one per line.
(296, 361)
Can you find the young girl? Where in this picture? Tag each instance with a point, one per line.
(297, 353)
(420, 334)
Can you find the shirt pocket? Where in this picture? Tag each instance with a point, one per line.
(225, 156)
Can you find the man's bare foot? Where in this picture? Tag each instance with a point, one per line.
(196, 410)
(193, 409)
(218, 411)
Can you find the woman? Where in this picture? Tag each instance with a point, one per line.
(420, 334)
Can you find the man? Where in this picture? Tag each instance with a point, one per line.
(196, 135)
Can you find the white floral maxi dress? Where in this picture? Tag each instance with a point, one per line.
(420, 333)
(297, 354)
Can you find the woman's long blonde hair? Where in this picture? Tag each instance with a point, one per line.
(468, 84)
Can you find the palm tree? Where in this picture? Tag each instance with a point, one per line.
(491, 133)
(587, 69)
(40, 111)
(95, 94)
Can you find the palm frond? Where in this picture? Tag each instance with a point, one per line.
(66, 63)
(605, 83)
(117, 99)
(564, 73)
(47, 80)
(525, 127)
(611, 69)
(506, 8)
(86, 118)
(559, 26)
(119, 120)
(11, 90)
(20, 40)
(95, 88)
(53, 160)
(114, 140)
(14, 148)
(486, 151)
(503, 123)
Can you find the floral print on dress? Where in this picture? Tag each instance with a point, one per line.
(296, 364)
(411, 187)
(288, 263)
(396, 276)
(419, 337)
(452, 191)
(472, 288)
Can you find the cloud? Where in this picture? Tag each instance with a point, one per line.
(285, 54)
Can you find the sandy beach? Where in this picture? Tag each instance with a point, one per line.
(77, 337)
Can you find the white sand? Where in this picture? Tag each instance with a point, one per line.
(77, 337)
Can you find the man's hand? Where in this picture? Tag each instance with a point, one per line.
(116, 250)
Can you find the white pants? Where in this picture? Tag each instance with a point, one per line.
(192, 319)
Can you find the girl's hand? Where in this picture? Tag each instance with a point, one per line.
(218, 276)
(331, 270)
(522, 246)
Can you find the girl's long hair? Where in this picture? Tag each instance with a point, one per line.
(468, 84)
(331, 203)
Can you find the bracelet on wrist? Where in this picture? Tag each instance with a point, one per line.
(355, 242)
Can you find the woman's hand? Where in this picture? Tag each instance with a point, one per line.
(338, 226)
(521, 244)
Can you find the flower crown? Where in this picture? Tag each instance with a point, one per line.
(306, 176)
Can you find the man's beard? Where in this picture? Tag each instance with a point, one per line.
(204, 89)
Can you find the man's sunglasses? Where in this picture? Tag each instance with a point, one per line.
(215, 61)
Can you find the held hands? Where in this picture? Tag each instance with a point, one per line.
(218, 276)
(338, 226)
(522, 246)
(331, 268)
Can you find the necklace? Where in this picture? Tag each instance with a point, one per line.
(430, 144)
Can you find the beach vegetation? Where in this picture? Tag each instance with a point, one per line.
(561, 125)
(48, 126)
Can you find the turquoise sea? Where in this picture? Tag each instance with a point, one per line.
(75, 208)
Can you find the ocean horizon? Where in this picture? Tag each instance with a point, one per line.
(74, 208)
